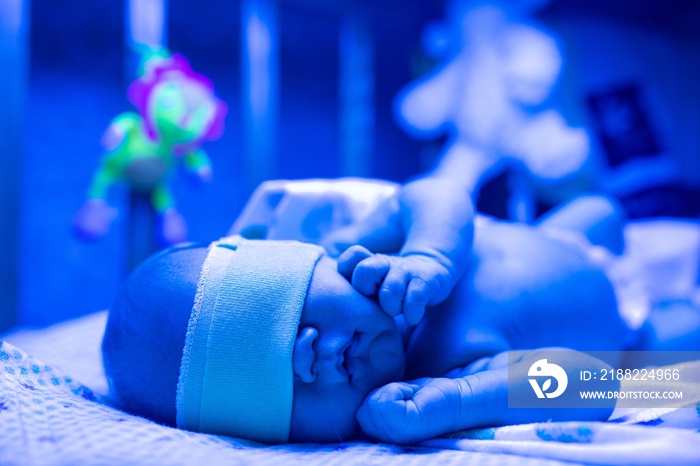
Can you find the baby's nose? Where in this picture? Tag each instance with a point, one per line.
(304, 355)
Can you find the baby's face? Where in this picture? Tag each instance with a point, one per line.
(346, 346)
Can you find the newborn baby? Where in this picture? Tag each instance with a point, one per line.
(276, 341)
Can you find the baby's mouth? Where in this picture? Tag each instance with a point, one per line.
(349, 359)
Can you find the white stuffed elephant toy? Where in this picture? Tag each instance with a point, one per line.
(491, 98)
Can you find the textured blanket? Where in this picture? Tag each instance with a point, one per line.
(56, 412)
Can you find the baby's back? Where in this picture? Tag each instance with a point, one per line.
(523, 290)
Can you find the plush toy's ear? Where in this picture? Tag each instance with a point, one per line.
(137, 93)
(425, 107)
(216, 129)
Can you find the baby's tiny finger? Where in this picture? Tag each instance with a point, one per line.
(396, 391)
(417, 296)
(350, 258)
(392, 291)
(369, 274)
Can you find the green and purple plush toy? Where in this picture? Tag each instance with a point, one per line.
(177, 112)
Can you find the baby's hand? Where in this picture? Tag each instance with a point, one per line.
(407, 412)
(404, 284)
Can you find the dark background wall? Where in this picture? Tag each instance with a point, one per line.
(76, 85)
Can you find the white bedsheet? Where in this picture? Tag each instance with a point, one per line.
(49, 416)
(55, 415)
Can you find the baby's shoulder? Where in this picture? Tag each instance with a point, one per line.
(522, 254)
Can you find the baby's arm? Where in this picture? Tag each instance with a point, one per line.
(409, 412)
(435, 220)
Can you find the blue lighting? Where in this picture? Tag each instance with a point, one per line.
(566, 98)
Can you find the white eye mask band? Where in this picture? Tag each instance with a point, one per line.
(236, 374)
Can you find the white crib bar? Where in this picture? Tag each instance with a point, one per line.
(356, 96)
(14, 15)
(146, 21)
(260, 84)
(145, 24)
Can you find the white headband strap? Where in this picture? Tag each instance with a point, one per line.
(236, 373)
